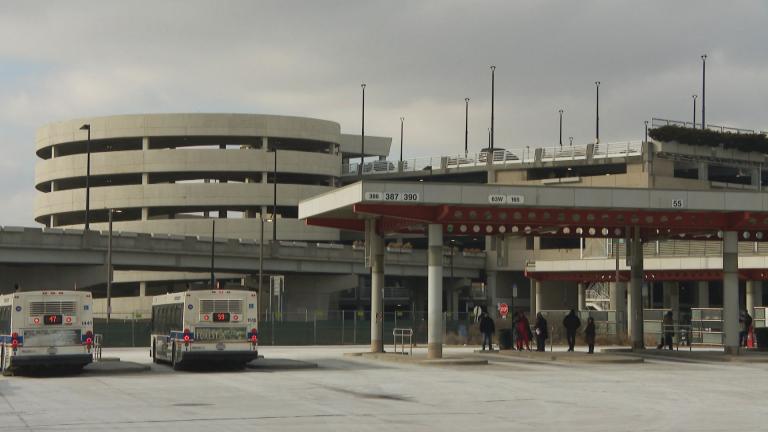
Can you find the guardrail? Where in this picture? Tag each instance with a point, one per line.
(501, 157)
(658, 122)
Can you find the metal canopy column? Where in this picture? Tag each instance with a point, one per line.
(377, 284)
(731, 291)
(435, 292)
(636, 291)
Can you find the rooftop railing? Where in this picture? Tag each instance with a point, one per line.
(657, 122)
(497, 158)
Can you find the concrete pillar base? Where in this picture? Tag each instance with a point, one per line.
(377, 346)
(732, 350)
(638, 346)
(435, 351)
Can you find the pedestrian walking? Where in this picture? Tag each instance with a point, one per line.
(524, 332)
(487, 328)
(668, 330)
(542, 334)
(589, 335)
(571, 323)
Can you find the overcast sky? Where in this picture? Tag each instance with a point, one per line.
(419, 59)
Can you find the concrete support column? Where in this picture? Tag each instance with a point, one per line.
(731, 291)
(377, 285)
(455, 291)
(491, 289)
(619, 304)
(435, 292)
(142, 289)
(754, 295)
(703, 294)
(536, 297)
(672, 297)
(704, 171)
(582, 287)
(636, 292)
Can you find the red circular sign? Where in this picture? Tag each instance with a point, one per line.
(503, 309)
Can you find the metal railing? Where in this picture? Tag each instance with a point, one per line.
(98, 343)
(403, 333)
(503, 157)
(657, 122)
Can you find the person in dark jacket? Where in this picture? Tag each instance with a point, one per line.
(667, 330)
(746, 327)
(487, 328)
(589, 335)
(571, 323)
(540, 328)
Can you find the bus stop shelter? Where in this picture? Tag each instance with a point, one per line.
(436, 210)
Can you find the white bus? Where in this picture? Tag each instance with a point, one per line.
(207, 326)
(46, 329)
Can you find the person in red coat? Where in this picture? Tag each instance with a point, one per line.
(524, 332)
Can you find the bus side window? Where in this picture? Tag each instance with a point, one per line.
(5, 320)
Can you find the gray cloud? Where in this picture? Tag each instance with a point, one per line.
(419, 59)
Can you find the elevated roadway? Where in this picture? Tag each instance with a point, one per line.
(55, 257)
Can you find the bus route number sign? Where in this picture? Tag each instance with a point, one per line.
(221, 317)
(392, 196)
(52, 319)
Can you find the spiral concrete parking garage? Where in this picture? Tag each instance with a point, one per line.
(170, 173)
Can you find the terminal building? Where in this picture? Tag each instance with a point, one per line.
(173, 173)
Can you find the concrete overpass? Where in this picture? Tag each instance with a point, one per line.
(44, 257)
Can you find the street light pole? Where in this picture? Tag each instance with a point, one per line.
(274, 198)
(261, 254)
(362, 132)
(87, 127)
(646, 131)
(597, 112)
(402, 120)
(493, 94)
(109, 268)
(694, 111)
(466, 127)
(561, 127)
(703, 91)
(213, 249)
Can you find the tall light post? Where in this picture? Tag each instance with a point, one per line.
(703, 91)
(87, 127)
(213, 253)
(110, 271)
(466, 127)
(571, 140)
(646, 131)
(493, 94)
(402, 120)
(261, 254)
(362, 132)
(597, 112)
(274, 197)
(694, 111)
(561, 127)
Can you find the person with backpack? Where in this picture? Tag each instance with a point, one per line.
(571, 323)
